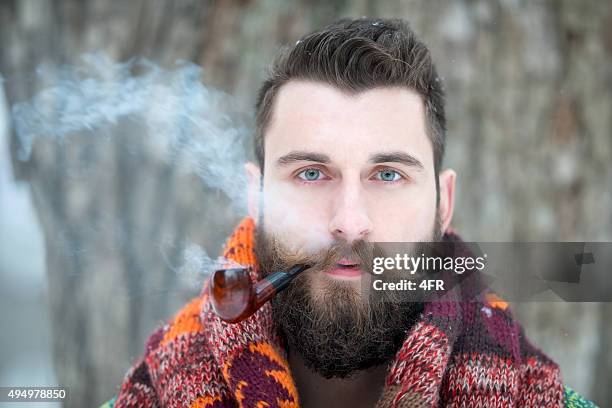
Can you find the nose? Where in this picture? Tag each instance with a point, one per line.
(350, 220)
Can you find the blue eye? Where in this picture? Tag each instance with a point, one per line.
(310, 174)
(388, 175)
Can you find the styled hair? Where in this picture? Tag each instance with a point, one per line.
(356, 55)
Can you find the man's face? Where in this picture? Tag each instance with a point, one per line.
(347, 166)
(342, 170)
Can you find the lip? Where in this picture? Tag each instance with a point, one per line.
(345, 272)
(347, 261)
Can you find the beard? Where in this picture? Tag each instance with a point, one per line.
(336, 328)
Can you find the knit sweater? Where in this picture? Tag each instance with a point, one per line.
(460, 353)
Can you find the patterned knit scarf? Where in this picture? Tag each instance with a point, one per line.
(468, 354)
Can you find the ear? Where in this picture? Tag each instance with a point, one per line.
(447, 179)
(254, 186)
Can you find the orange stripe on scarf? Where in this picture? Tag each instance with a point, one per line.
(239, 246)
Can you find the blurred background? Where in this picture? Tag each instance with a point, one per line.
(96, 225)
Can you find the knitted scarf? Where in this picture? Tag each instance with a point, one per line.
(458, 354)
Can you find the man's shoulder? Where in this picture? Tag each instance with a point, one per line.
(491, 306)
(179, 342)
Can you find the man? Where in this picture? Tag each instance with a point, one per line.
(349, 143)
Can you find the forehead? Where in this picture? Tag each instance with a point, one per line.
(317, 117)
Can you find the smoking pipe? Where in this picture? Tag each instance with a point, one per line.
(235, 297)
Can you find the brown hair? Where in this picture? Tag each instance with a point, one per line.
(357, 55)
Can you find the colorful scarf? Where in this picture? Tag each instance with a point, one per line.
(458, 354)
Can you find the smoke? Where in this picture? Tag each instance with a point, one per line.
(197, 129)
(178, 111)
(197, 263)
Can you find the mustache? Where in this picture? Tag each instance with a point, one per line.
(277, 256)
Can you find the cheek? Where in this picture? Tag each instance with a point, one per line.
(299, 219)
(407, 218)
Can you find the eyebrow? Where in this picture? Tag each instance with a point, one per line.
(397, 157)
(389, 157)
(297, 156)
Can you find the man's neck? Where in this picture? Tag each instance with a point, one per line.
(362, 389)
